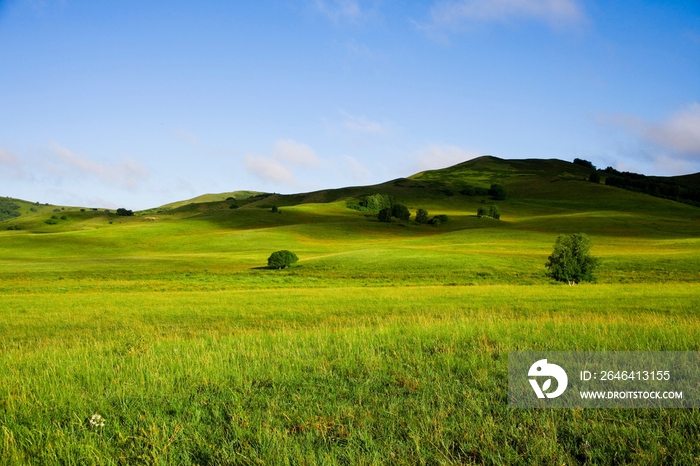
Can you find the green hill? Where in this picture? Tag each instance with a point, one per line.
(385, 342)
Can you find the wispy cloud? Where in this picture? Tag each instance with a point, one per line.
(457, 14)
(353, 167)
(440, 156)
(126, 174)
(270, 170)
(295, 153)
(361, 124)
(340, 10)
(11, 165)
(277, 168)
(679, 133)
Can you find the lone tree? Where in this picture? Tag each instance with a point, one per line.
(421, 216)
(571, 260)
(281, 259)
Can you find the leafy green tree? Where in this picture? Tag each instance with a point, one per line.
(384, 215)
(421, 216)
(481, 212)
(124, 212)
(571, 260)
(274, 209)
(494, 212)
(376, 202)
(594, 177)
(281, 259)
(400, 211)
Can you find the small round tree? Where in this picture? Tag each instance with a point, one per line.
(494, 212)
(571, 260)
(281, 259)
(421, 216)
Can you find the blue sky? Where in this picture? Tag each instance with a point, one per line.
(139, 103)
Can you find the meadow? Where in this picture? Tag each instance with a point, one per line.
(385, 344)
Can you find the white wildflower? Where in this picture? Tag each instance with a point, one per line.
(97, 421)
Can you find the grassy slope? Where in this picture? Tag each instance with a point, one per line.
(169, 329)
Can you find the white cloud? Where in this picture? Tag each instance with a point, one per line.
(268, 169)
(295, 153)
(437, 156)
(679, 133)
(453, 14)
(126, 174)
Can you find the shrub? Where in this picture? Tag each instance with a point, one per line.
(594, 177)
(230, 198)
(400, 211)
(274, 209)
(82, 210)
(497, 192)
(384, 215)
(63, 217)
(571, 260)
(57, 210)
(124, 212)
(14, 227)
(281, 259)
(33, 209)
(481, 212)
(438, 220)
(53, 217)
(421, 216)
(51, 221)
(233, 206)
(494, 212)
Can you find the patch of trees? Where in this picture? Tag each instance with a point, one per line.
(399, 211)
(281, 259)
(584, 163)
(8, 209)
(571, 260)
(125, 212)
(496, 191)
(654, 186)
(492, 212)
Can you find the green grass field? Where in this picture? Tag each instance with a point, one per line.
(385, 344)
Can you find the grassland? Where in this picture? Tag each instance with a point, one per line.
(387, 344)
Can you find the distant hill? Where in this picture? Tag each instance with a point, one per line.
(204, 198)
